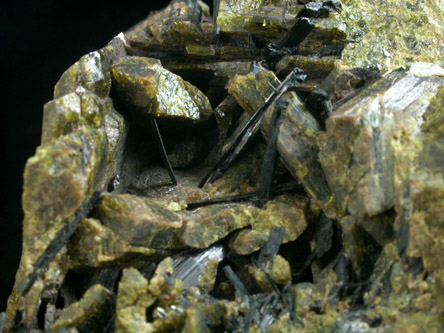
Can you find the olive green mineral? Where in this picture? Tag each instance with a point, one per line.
(144, 84)
(90, 314)
(297, 140)
(364, 241)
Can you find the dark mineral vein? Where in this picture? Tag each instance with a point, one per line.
(59, 241)
(251, 127)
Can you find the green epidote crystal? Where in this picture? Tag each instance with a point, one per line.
(80, 108)
(97, 246)
(195, 321)
(84, 108)
(286, 211)
(141, 221)
(359, 151)
(327, 34)
(257, 16)
(133, 298)
(380, 227)
(145, 84)
(116, 131)
(297, 140)
(92, 71)
(357, 246)
(223, 69)
(314, 68)
(187, 28)
(277, 268)
(342, 84)
(58, 180)
(420, 183)
(247, 241)
(91, 314)
(207, 225)
(367, 230)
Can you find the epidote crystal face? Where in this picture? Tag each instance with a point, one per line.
(342, 232)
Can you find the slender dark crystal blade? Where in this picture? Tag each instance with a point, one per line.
(280, 189)
(162, 149)
(274, 242)
(263, 187)
(250, 128)
(59, 241)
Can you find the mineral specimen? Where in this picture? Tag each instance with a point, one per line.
(349, 234)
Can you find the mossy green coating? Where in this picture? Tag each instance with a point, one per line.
(388, 34)
(208, 278)
(162, 285)
(277, 268)
(284, 324)
(398, 296)
(195, 321)
(307, 295)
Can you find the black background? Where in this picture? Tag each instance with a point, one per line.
(40, 39)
